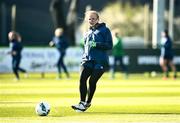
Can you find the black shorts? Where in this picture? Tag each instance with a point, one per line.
(168, 57)
(93, 65)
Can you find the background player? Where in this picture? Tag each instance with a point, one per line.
(61, 44)
(166, 57)
(118, 54)
(16, 49)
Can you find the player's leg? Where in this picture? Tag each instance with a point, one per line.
(21, 69)
(95, 76)
(173, 67)
(86, 71)
(123, 66)
(63, 65)
(163, 64)
(15, 64)
(59, 67)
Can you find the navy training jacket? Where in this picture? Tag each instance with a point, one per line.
(17, 47)
(60, 43)
(166, 48)
(103, 38)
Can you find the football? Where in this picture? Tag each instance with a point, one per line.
(42, 109)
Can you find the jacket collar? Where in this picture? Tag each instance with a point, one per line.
(98, 25)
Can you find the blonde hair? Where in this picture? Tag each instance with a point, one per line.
(91, 12)
(58, 32)
(14, 35)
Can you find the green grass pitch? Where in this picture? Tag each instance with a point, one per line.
(138, 99)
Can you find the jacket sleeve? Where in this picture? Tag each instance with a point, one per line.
(168, 44)
(107, 44)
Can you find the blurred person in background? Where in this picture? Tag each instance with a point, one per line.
(97, 42)
(118, 54)
(166, 56)
(15, 51)
(60, 42)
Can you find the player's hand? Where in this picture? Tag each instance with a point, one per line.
(51, 43)
(92, 44)
(14, 53)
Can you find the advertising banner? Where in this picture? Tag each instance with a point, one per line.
(45, 59)
(41, 59)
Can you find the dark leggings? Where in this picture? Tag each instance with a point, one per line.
(16, 68)
(60, 64)
(93, 74)
(122, 65)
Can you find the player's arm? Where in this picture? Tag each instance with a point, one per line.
(51, 43)
(107, 45)
(12, 53)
